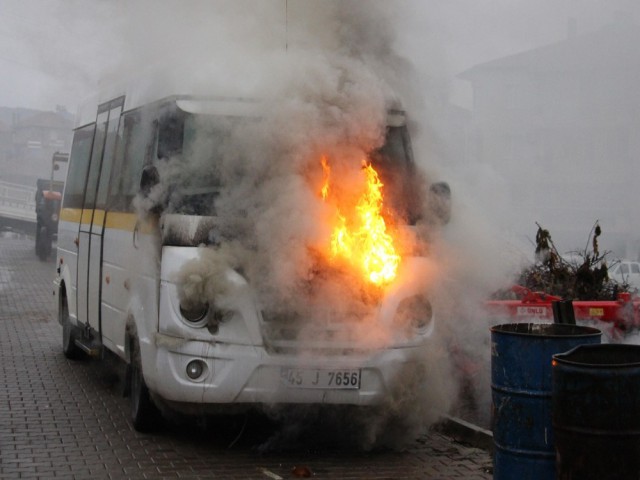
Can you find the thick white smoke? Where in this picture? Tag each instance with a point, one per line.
(326, 73)
(326, 80)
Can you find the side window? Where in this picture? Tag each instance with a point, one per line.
(78, 166)
(96, 160)
(132, 154)
(136, 154)
(116, 199)
(144, 136)
(635, 268)
(109, 155)
(170, 135)
(624, 268)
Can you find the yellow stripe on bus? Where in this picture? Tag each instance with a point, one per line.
(121, 221)
(115, 220)
(98, 217)
(70, 215)
(87, 214)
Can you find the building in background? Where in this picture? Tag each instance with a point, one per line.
(28, 140)
(561, 124)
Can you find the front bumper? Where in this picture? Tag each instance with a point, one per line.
(238, 374)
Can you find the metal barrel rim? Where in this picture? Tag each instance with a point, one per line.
(546, 330)
(600, 356)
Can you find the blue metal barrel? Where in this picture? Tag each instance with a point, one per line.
(521, 355)
(596, 412)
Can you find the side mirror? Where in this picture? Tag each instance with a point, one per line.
(149, 179)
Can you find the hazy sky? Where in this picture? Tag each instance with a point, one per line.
(54, 51)
(59, 52)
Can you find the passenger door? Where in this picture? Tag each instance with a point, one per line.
(71, 213)
(94, 211)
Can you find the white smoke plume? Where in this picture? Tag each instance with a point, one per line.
(326, 74)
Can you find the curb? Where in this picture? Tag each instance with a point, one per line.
(465, 432)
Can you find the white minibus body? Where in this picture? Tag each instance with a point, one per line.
(117, 283)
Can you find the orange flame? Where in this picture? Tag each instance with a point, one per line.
(327, 172)
(360, 236)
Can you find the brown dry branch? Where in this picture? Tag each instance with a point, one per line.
(583, 277)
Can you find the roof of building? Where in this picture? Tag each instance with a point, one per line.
(613, 47)
(46, 120)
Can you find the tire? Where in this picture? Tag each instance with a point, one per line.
(145, 416)
(69, 347)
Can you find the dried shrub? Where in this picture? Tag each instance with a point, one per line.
(582, 277)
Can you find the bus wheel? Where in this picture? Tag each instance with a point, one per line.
(144, 414)
(69, 347)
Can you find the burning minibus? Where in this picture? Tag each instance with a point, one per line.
(163, 260)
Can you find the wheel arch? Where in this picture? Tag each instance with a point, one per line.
(136, 332)
(62, 297)
(62, 282)
(131, 336)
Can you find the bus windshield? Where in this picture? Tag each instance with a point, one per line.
(198, 143)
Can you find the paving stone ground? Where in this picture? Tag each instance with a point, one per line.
(68, 419)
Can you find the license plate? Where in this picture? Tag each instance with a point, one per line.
(320, 378)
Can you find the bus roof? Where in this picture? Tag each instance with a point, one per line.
(220, 105)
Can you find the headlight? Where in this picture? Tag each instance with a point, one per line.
(415, 312)
(198, 315)
(195, 313)
(54, 217)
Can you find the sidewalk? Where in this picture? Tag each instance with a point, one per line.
(64, 419)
